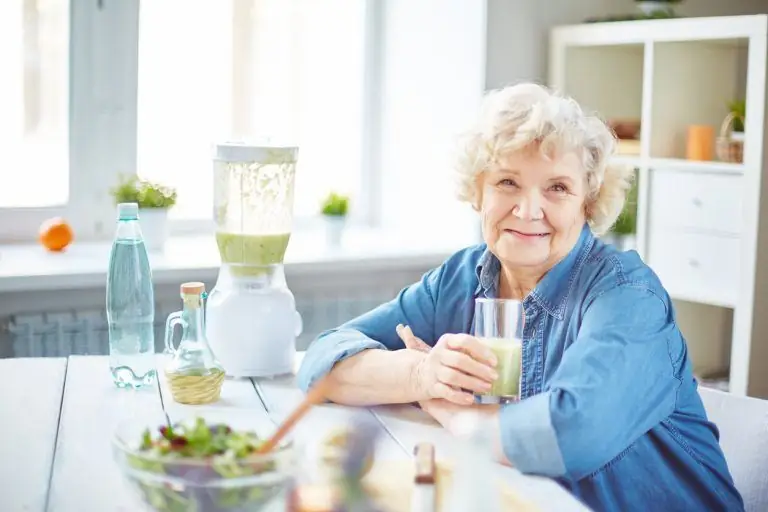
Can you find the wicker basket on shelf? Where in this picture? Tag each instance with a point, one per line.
(729, 149)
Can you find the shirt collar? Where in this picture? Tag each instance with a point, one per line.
(553, 290)
(487, 271)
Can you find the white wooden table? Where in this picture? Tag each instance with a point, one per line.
(57, 418)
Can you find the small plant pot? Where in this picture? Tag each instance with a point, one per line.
(334, 229)
(154, 227)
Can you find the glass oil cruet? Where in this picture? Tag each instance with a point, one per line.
(194, 374)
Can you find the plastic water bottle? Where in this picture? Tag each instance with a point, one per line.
(130, 304)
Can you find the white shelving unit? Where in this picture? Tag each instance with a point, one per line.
(698, 221)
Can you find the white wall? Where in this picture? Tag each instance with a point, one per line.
(432, 80)
(518, 29)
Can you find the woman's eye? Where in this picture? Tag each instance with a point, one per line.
(508, 182)
(559, 187)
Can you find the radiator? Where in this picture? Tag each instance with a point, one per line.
(85, 332)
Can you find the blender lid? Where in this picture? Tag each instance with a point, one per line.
(245, 152)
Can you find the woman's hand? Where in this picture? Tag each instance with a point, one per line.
(457, 366)
(442, 410)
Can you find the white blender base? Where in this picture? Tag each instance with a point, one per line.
(259, 355)
(253, 335)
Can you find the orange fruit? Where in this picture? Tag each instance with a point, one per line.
(55, 234)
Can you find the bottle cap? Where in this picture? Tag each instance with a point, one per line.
(192, 288)
(128, 211)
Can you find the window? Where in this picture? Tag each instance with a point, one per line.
(92, 89)
(286, 69)
(34, 57)
(149, 91)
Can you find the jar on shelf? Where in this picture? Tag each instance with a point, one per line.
(730, 148)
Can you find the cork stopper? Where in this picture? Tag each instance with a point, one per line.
(424, 454)
(192, 288)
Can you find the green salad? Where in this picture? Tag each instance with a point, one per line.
(196, 466)
(199, 441)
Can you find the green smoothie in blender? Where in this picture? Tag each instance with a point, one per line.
(247, 253)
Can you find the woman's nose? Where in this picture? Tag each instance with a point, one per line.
(529, 206)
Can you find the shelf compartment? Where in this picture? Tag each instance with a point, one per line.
(693, 83)
(707, 330)
(607, 80)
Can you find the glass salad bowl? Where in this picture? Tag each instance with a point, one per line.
(203, 464)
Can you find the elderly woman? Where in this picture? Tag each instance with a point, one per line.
(609, 406)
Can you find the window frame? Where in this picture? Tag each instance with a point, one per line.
(102, 120)
(103, 126)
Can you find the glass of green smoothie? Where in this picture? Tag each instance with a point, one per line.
(499, 325)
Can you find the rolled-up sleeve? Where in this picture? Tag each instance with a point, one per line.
(615, 382)
(414, 306)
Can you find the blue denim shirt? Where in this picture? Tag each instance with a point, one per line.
(609, 406)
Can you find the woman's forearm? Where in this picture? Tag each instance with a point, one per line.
(376, 377)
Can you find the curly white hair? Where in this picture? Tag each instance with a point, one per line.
(525, 117)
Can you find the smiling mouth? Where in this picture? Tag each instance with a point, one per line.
(526, 235)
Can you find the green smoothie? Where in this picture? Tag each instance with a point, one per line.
(508, 354)
(246, 253)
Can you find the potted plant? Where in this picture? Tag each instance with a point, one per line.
(655, 8)
(154, 201)
(334, 211)
(738, 108)
(623, 233)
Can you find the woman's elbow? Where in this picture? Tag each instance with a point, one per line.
(328, 350)
(306, 376)
(314, 364)
(587, 445)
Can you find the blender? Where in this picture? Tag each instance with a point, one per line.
(251, 317)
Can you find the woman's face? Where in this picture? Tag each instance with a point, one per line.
(533, 209)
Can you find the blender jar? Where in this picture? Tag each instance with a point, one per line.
(252, 322)
(253, 204)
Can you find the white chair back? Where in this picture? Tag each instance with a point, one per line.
(743, 425)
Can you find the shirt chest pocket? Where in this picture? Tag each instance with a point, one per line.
(533, 356)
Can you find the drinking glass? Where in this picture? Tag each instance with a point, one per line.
(499, 326)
